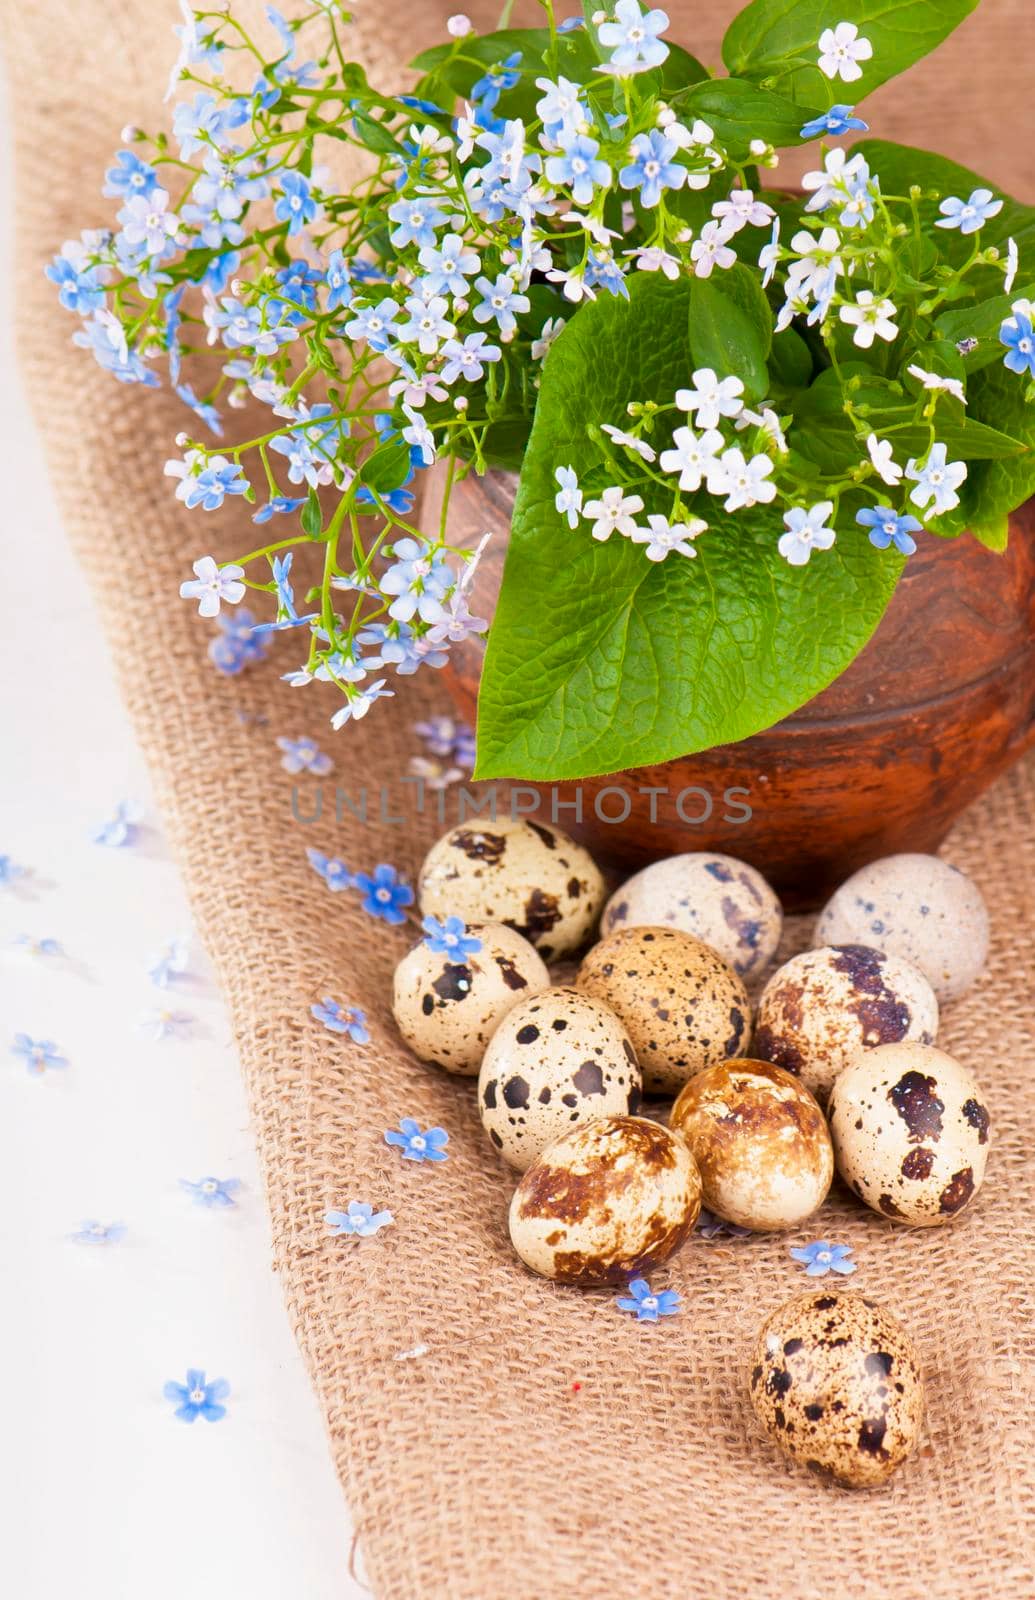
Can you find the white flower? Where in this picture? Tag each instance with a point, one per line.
(934, 380)
(627, 441)
(885, 465)
(840, 178)
(568, 499)
(664, 537)
(591, 225)
(147, 221)
(547, 334)
(744, 483)
(820, 265)
(360, 703)
(419, 435)
(871, 319)
(937, 480)
(741, 210)
(693, 456)
(1012, 262)
(652, 258)
(459, 26)
(211, 585)
(768, 421)
(711, 250)
(840, 51)
(769, 255)
(711, 398)
(806, 531)
(614, 512)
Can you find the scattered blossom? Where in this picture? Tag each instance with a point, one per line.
(382, 895)
(213, 1193)
(169, 964)
(418, 1144)
(197, 1398)
(121, 828)
(821, 1257)
(166, 1024)
(99, 1233)
(304, 755)
(337, 1018)
(39, 1055)
(359, 1221)
(646, 1304)
(334, 872)
(450, 938)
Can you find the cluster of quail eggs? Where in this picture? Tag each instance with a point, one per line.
(834, 1067)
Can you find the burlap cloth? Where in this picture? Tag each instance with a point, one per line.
(544, 1446)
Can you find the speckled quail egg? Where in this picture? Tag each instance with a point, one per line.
(606, 1201)
(718, 899)
(910, 1132)
(823, 1006)
(683, 1007)
(447, 1009)
(530, 876)
(558, 1058)
(760, 1142)
(836, 1382)
(918, 907)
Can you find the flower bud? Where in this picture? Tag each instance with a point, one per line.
(130, 134)
(459, 26)
(460, 403)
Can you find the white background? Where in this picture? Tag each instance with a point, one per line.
(103, 1493)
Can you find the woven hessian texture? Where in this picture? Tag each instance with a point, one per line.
(544, 1446)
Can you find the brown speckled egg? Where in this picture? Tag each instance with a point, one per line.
(718, 899)
(556, 1059)
(606, 1201)
(683, 1007)
(916, 906)
(836, 1382)
(526, 874)
(823, 1006)
(910, 1132)
(448, 1010)
(760, 1143)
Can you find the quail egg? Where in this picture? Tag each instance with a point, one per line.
(718, 899)
(760, 1142)
(607, 1201)
(823, 1006)
(837, 1384)
(910, 1132)
(557, 1058)
(918, 907)
(448, 1006)
(683, 1007)
(530, 876)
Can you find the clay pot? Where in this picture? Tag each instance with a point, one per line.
(936, 706)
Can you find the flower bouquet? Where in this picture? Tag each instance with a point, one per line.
(735, 410)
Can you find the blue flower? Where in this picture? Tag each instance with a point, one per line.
(209, 1192)
(339, 284)
(129, 176)
(170, 963)
(210, 487)
(342, 1019)
(92, 1232)
(647, 1305)
(10, 872)
(487, 90)
(280, 505)
(500, 302)
(39, 1055)
(450, 938)
(360, 1221)
(968, 215)
(1018, 335)
(238, 645)
(418, 1145)
(121, 829)
(652, 168)
(304, 755)
(166, 1025)
(444, 737)
(839, 119)
(633, 39)
(820, 1258)
(416, 221)
(570, 24)
(603, 272)
(375, 324)
(712, 1227)
(887, 528)
(287, 616)
(382, 895)
(36, 947)
(334, 873)
(579, 167)
(79, 286)
(201, 408)
(196, 1398)
(285, 30)
(203, 121)
(297, 206)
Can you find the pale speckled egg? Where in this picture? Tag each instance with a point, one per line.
(682, 1005)
(556, 1059)
(447, 1010)
(910, 1131)
(718, 899)
(918, 907)
(532, 877)
(836, 1382)
(760, 1142)
(607, 1201)
(825, 1005)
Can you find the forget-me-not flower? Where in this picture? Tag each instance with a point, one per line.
(839, 119)
(568, 499)
(304, 755)
(211, 585)
(333, 871)
(170, 963)
(39, 1055)
(821, 1257)
(888, 528)
(579, 166)
(196, 1398)
(500, 302)
(418, 1144)
(212, 1192)
(360, 1221)
(486, 90)
(807, 530)
(342, 1019)
(647, 1304)
(296, 206)
(633, 39)
(936, 482)
(970, 214)
(163, 1024)
(120, 829)
(450, 938)
(1018, 335)
(652, 167)
(841, 49)
(382, 894)
(93, 1232)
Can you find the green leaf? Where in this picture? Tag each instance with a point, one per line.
(599, 659)
(994, 534)
(312, 515)
(899, 166)
(778, 40)
(995, 488)
(740, 111)
(827, 437)
(387, 467)
(790, 360)
(731, 327)
(981, 322)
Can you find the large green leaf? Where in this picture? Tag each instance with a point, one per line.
(599, 659)
(731, 327)
(982, 322)
(740, 111)
(778, 40)
(995, 488)
(899, 166)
